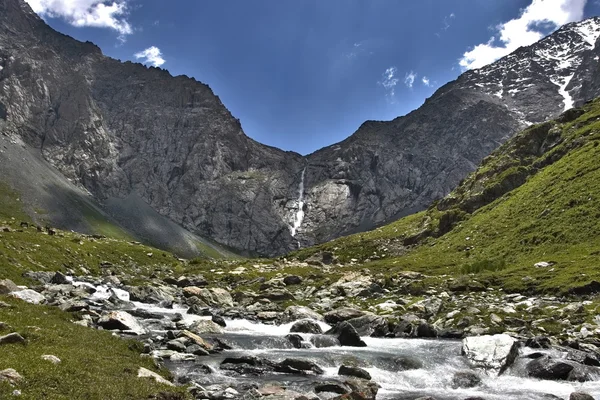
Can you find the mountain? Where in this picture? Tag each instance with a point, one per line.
(161, 157)
(389, 169)
(525, 219)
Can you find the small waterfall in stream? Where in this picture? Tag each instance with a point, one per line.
(300, 206)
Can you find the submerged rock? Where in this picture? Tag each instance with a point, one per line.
(354, 371)
(465, 380)
(320, 341)
(494, 353)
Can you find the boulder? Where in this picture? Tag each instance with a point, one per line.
(580, 396)
(29, 296)
(360, 390)
(11, 376)
(146, 373)
(354, 371)
(215, 297)
(295, 339)
(294, 313)
(405, 363)
(195, 280)
(218, 320)
(7, 286)
(465, 380)
(347, 335)
(494, 353)
(275, 294)
(151, 294)
(11, 338)
(50, 358)
(332, 387)
(292, 280)
(342, 314)
(321, 341)
(370, 325)
(297, 365)
(306, 326)
(549, 368)
(60, 279)
(121, 320)
(204, 326)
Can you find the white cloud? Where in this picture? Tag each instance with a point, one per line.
(389, 81)
(409, 79)
(95, 13)
(447, 21)
(522, 31)
(426, 81)
(152, 55)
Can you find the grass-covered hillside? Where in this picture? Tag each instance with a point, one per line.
(534, 199)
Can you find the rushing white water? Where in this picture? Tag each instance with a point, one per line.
(440, 359)
(299, 217)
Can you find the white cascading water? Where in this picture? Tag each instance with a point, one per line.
(300, 206)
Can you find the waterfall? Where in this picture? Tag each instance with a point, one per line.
(300, 206)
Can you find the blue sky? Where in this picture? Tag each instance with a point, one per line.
(305, 74)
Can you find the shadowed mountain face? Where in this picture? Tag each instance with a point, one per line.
(127, 133)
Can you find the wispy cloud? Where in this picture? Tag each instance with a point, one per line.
(426, 81)
(409, 79)
(152, 55)
(447, 20)
(389, 81)
(523, 31)
(93, 13)
(446, 23)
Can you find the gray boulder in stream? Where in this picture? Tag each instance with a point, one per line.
(494, 353)
(298, 366)
(306, 326)
(347, 335)
(121, 320)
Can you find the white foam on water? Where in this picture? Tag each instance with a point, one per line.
(257, 328)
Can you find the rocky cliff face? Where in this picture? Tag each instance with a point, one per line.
(388, 169)
(132, 135)
(124, 131)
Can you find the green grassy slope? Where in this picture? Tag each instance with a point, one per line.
(94, 364)
(534, 199)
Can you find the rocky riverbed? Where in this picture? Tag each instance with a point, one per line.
(250, 345)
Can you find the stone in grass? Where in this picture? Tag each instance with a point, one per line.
(7, 286)
(11, 338)
(11, 376)
(29, 296)
(146, 373)
(50, 358)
